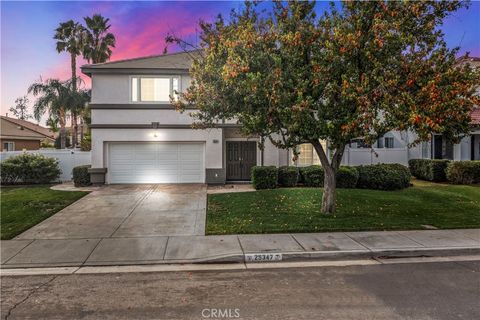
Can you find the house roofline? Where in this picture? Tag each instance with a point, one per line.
(165, 71)
(109, 67)
(28, 128)
(92, 65)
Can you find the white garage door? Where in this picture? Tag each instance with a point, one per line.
(156, 163)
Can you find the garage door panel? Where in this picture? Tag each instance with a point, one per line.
(189, 155)
(156, 163)
(167, 156)
(190, 146)
(145, 156)
(190, 166)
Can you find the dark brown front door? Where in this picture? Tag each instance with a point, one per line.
(241, 157)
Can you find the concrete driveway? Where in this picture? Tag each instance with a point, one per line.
(125, 211)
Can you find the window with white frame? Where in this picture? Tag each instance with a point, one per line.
(154, 89)
(8, 146)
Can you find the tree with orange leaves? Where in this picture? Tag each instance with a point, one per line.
(295, 78)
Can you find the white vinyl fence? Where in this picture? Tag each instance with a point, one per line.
(67, 159)
(355, 157)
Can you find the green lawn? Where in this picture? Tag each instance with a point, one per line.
(298, 209)
(25, 206)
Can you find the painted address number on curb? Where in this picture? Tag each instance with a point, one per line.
(261, 257)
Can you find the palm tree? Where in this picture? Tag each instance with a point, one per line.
(54, 96)
(78, 106)
(99, 41)
(71, 37)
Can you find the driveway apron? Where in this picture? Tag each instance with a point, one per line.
(124, 211)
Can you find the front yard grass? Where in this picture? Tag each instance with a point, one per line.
(298, 210)
(25, 206)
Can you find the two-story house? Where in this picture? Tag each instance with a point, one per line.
(138, 136)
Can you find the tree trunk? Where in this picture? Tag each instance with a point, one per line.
(63, 136)
(74, 89)
(74, 129)
(329, 190)
(330, 178)
(74, 71)
(81, 129)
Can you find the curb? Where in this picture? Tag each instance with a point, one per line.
(285, 256)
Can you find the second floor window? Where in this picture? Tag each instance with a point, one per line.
(154, 89)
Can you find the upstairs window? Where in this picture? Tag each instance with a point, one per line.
(154, 89)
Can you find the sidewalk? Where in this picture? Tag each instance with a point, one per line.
(236, 248)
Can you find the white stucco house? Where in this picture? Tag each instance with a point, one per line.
(138, 137)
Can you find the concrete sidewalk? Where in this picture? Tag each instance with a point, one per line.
(233, 248)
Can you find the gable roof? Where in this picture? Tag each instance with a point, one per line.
(180, 61)
(35, 128)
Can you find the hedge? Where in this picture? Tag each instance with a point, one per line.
(264, 177)
(312, 176)
(463, 172)
(347, 177)
(287, 176)
(29, 168)
(81, 177)
(429, 169)
(383, 177)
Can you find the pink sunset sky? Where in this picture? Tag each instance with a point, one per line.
(28, 49)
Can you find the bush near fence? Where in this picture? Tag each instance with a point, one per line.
(67, 159)
(29, 168)
(429, 169)
(390, 176)
(463, 172)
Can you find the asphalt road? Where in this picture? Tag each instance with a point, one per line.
(445, 290)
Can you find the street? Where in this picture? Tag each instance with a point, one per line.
(432, 290)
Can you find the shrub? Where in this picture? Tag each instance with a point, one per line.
(81, 177)
(312, 176)
(10, 172)
(463, 172)
(287, 176)
(429, 169)
(29, 168)
(264, 177)
(347, 177)
(383, 177)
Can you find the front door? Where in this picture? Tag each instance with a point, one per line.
(241, 156)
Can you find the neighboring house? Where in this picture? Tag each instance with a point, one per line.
(393, 147)
(138, 136)
(469, 147)
(18, 135)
